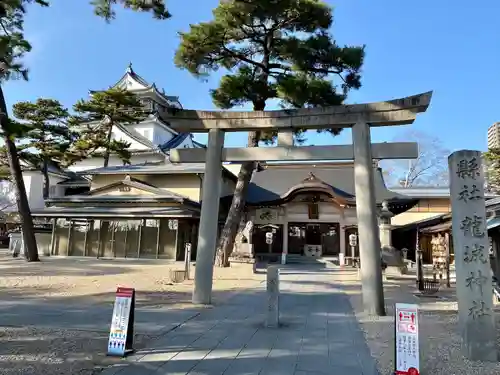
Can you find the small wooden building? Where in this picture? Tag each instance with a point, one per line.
(432, 236)
(438, 243)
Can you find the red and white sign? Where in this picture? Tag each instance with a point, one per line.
(121, 333)
(407, 346)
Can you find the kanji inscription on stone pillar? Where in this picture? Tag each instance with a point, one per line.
(470, 243)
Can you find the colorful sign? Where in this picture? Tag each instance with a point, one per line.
(121, 334)
(407, 346)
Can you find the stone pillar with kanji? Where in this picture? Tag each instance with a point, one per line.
(470, 240)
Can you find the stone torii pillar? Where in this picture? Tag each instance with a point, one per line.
(359, 117)
(368, 231)
(209, 219)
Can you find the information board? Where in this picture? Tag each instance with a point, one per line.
(407, 345)
(121, 334)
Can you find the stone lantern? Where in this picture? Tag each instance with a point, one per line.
(390, 255)
(385, 227)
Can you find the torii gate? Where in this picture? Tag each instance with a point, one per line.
(359, 117)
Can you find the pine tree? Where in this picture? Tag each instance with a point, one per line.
(104, 8)
(13, 46)
(272, 49)
(95, 120)
(47, 136)
(22, 154)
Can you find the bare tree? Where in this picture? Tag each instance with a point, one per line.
(429, 169)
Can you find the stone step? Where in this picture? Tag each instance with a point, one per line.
(300, 259)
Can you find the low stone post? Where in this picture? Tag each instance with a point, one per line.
(470, 240)
(341, 259)
(187, 259)
(273, 297)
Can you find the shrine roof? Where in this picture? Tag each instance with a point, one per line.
(148, 168)
(159, 167)
(276, 182)
(115, 212)
(424, 223)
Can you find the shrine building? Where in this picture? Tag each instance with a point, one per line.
(151, 210)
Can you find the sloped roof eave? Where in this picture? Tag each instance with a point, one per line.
(116, 212)
(174, 142)
(273, 184)
(136, 136)
(141, 185)
(157, 168)
(105, 201)
(396, 206)
(154, 90)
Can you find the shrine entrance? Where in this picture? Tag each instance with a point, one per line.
(313, 239)
(358, 117)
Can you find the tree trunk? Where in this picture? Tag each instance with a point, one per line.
(45, 173)
(108, 139)
(29, 240)
(228, 235)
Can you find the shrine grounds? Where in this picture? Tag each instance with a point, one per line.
(55, 315)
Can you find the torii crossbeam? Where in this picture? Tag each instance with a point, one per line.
(393, 112)
(380, 151)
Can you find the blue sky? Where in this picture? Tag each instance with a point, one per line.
(451, 47)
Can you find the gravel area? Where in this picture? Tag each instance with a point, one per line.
(440, 343)
(32, 345)
(96, 280)
(34, 351)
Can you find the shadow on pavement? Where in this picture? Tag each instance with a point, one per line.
(318, 335)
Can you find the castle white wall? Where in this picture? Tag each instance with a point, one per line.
(33, 182)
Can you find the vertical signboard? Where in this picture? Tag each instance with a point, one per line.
(121, 334)
(407, 346)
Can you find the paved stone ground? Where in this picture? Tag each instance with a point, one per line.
(319, 335)
(55, 314)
